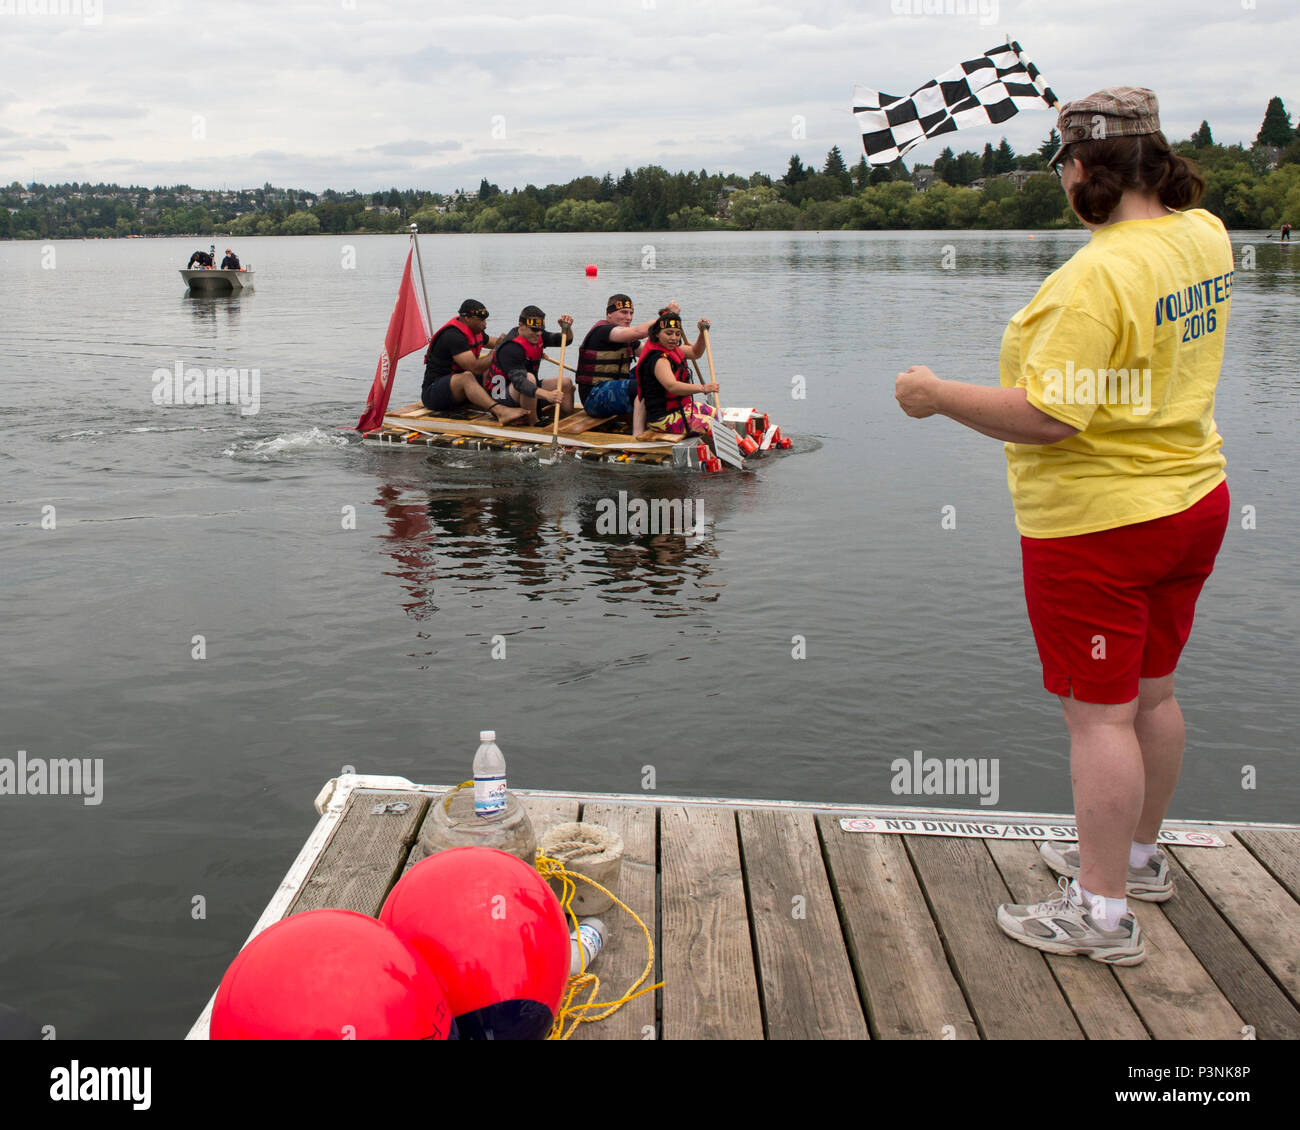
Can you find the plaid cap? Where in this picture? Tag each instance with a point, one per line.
(1117, 111)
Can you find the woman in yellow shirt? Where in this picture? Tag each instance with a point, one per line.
(1106, 407)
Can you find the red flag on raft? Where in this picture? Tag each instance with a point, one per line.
(408, 330)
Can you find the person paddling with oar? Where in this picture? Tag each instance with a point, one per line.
(512, 378)
(664, 381)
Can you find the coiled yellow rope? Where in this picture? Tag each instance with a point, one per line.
(550, 868)
(578, 1013)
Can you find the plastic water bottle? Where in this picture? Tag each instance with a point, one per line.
(586, 944)
(489, 777)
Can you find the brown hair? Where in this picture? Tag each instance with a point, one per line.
(1144, 164)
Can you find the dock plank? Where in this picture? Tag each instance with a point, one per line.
(1241, 978)
(365, 855)
(623, 956)
(1098, 1002)
(998, 975)
(1170, 992)
(710, 988)
(803, 965)
(898, 959)
(1279, 852)
(546, 812)
(1257, 907)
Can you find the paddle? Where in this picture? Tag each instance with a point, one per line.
(559, 387)
(713, 379)
(553, 361)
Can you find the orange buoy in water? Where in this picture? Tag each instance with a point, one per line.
(329, 975)
(591, 270)
(493, 933)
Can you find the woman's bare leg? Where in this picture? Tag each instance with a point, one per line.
(1106, 770)
(1162, 737)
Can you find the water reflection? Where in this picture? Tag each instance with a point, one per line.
(562, 537)
(209, 310)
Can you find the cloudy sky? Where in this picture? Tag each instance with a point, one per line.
(434, 94)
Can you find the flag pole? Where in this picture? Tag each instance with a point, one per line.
(1055, 103)
(428, 312)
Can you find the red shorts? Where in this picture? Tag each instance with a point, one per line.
(1115, 606)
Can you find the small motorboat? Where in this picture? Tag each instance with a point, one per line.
(213, 280)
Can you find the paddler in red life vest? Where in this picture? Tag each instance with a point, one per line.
(664, 379)
(605, 361)
(512, 378)
(457, 360)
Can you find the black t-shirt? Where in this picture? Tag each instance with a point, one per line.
(451, 343)
(598, 339)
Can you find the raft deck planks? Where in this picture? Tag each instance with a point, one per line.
(894, 936)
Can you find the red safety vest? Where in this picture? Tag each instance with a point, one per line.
(476, 341)
(532, 353)
(657, 401)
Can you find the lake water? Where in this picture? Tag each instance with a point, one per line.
(374, 646)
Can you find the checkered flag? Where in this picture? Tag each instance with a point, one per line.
(983, 91)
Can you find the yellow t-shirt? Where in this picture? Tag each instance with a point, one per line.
(1123, 342)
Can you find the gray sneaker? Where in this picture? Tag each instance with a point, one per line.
(1152, 883)
(1060, 926)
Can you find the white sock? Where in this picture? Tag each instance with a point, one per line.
(1139, 855)
(1106, 912)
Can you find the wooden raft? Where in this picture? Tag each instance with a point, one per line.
(772, 922)
(416, 417)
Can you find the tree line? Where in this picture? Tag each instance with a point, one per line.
(1254, 187)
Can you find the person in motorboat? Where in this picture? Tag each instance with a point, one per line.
(230, 262)
(202, 258)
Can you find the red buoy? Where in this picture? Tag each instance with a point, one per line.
(493, 932)
(591, 270)
(329, 975)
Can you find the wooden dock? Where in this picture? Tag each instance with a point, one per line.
(772, 922)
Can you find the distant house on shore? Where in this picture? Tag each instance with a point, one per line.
(1272, 153)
